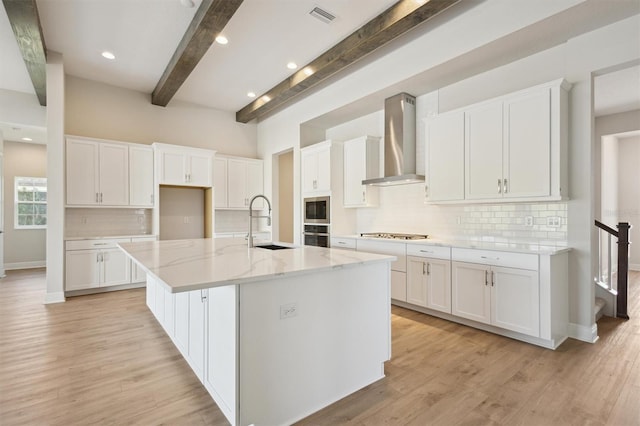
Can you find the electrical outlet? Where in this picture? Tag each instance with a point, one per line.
(458, 220)
(554, 221)
(528, 221)
(186, 219)
(289, 310)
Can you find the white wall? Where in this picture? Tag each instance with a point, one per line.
(23, 247)
(102, 111)
(21, 108)
(629, 192)
(575, 60)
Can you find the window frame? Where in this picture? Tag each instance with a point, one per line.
(27, 181)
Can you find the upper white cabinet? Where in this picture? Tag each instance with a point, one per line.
(238, 181)
(361, 161)
(141, 188)
(512, 148)
(445, 157)
(184, 166)
(97, 173)
(316, 168)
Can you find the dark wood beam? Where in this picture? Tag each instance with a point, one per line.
(397, 20)
(25, 22)
(208, 22)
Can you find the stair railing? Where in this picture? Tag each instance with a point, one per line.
(619, 286)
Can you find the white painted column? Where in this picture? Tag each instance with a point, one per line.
(2, 272)
(55, 178)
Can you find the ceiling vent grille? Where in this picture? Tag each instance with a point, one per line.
(322, 15)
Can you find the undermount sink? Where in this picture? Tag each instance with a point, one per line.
(272, 247)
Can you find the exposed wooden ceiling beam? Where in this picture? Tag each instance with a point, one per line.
(25, 22)
(208, 22)
(398, 19)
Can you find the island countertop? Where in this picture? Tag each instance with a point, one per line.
(185, 265)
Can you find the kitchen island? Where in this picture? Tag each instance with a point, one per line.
(274, 335)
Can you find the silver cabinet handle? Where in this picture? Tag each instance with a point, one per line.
(151, 198)
(101, 198)
(341, 242)
(100, 244)
(423, 271)
(428, 268)
(486, 277)
(96, 197)
(492, 278)
(364, 197)
(504, 185)
(203, 295)
(426, 251)
(499, 186)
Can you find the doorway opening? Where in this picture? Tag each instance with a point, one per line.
(283, 196)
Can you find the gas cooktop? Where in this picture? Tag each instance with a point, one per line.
(392, 236)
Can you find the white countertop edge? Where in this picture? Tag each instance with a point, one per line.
(514, 247)
(110, 237)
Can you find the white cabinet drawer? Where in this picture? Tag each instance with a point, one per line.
(398, 249)
(345, 243)
(497, 258)
(424, 250)
(96, 244)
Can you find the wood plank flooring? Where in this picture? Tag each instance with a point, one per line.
(103, 359)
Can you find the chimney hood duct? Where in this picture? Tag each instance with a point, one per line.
(399, 142)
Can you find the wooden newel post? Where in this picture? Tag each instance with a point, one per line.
(623, 269)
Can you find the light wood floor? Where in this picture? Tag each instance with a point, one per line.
(103, 359)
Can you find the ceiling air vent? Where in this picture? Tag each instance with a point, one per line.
(322, 15)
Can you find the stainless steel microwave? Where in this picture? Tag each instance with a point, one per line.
(317, 210)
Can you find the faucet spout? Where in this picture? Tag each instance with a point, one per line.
(251, 217)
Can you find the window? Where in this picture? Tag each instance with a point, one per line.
(31, 203)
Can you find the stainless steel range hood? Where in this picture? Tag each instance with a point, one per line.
(399, 142)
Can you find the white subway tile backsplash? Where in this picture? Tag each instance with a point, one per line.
(99, 222)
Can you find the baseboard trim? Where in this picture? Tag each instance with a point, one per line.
(583, 333)
(25, 265)
(634, 266)
(57, 297)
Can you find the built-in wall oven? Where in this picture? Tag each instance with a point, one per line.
(317, 210)
(316, 235)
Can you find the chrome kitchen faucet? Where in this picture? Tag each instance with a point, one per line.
(251, 217)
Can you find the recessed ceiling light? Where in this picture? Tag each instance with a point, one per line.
(266, 98)
(222, 39)
(108, 55)
(292, 65)
(308, 71)
(251, 95)
(27, 139)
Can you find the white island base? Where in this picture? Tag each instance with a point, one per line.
(274, 351)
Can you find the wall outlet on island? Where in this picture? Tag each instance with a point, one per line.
(289, 310)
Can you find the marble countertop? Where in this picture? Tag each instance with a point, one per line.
(514, 247)
(185, 265)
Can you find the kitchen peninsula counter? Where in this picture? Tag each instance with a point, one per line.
(273, 335)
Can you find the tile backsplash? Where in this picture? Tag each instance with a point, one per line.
(101, 222)
(402, 209)
(237, 221)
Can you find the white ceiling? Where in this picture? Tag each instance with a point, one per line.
(263, 36)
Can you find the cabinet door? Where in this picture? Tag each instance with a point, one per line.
(355, 171)
(196, 331)
(309, 171)
(255, 183)
(172, 168)
(220, 183)
(237, 184)
(83, 172)
(324, 169)
(114, 175)
(439, 285)
(470, 291)
(483, 151)
(141, 176)
(199, 173)
(417, 281)
(82, 269)
(515, 303)
(115, 268)
(182, 322)
(399, 286)
(445, 157)
(527, 154)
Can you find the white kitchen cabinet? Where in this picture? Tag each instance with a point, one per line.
(429, 283)
(244, 182)
(398, 267)
(515, 145)
(184, 166)
(343, 243)
(361, 161)
(141, 188)
(197, 300)
(505, 297)
(182, 322)
(97, 173)
(95, 263)
(221, 200)
(445, 157)
(316, 168)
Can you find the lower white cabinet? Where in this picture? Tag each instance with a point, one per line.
(398, 267)
(504, 297)
(429, 283)
(137, 273)
(95, 263)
